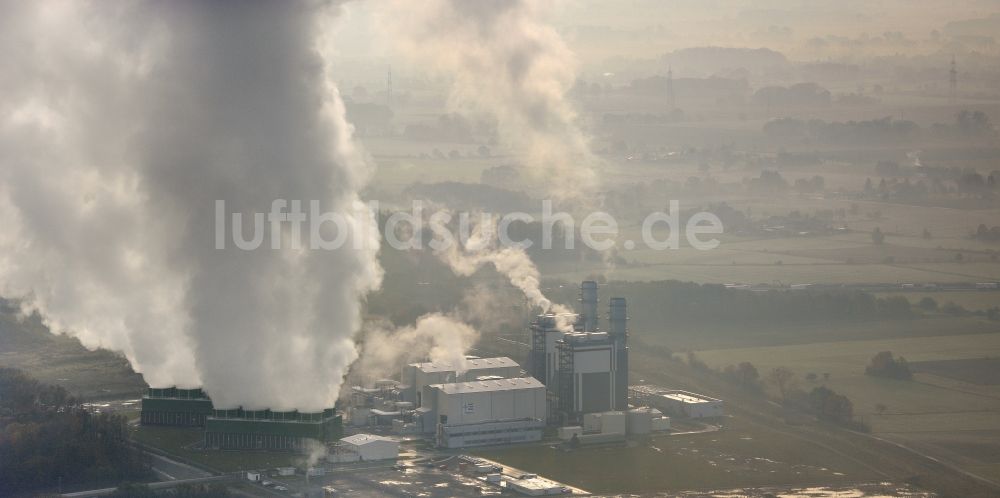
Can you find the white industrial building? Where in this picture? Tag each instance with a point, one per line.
(532, 485)
(496, 411)
(677, 402)
(369, 447)
(416, 376)
(612, 426)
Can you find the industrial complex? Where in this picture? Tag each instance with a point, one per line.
(576, 381)
(575, 391)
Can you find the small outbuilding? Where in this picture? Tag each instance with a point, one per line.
(371, 447)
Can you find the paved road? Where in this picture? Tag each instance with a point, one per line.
(171, 470)
(155, 485)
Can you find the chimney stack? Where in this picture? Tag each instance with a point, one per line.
(588, 305)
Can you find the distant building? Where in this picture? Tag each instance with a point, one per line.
(677, 403)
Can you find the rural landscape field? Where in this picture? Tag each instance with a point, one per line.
(446, 248)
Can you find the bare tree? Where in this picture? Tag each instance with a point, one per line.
(782, 378)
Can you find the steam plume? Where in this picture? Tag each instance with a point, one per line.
(504, 62)
(513, 262)
(121, 126)
(439, 337)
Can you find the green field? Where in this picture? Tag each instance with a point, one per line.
(741, 455)
(934, 411)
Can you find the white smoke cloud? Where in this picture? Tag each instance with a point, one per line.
(438, 337)
(503, 61)
(121, 125)
(482, 248)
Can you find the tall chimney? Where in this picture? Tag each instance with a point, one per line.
(618, 332)
(588, 305)
(617, 318)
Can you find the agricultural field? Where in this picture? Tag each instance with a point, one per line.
(27, 344)
(953, 401)
(741, 455)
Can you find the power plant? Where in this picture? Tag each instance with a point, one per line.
(577, 372)
(577, 379)
(585, 370)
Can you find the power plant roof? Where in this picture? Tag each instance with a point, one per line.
(473, 364)
(490, 385)
(361, 439)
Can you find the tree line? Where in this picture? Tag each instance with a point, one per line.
(653, 302)
(47, 438)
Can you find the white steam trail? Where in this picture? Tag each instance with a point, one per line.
(504, 61)
(481, 248)
(121, 125)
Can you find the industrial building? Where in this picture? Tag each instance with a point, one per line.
(618, 332)
(416, 376)
(369, 447)
(584, 381)
(239, 429)
(577, 369)
(613, 426)
(585, 370)
(676, 402)
(485, 412)
(546, 331)
(173, 406)
(532, 485)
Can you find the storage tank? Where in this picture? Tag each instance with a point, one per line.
(640, 421)
(613, 423)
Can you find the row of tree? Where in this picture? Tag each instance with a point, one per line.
(675, 301)
(820, 401)
(967, 125)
